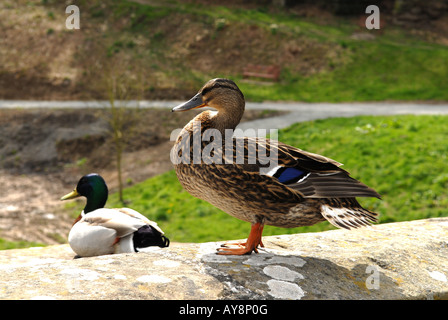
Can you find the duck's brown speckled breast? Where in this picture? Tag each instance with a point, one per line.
(255, 200)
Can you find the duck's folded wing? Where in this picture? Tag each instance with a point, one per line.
(313, 162)
(331, 185)
(310, 174)
(123, 224)
(135, 214)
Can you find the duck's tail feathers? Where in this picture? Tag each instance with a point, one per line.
(348, 217)
(148, 236)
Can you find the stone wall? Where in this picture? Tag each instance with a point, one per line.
(407, 260)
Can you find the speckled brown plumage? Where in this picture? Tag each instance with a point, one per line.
(303, 189)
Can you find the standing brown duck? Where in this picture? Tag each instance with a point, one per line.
(302, 189)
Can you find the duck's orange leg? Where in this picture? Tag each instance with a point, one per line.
(252, 243)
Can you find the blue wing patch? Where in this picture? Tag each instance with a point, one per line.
(289, 175)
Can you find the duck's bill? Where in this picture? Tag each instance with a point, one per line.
(193, 103)
(71, 195)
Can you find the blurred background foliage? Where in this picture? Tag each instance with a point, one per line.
(169, 48)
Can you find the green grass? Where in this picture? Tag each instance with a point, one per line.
(5, 244)
(402, 157)
(393, 66)
(376, 71)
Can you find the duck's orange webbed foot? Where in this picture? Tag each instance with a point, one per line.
(252, 243)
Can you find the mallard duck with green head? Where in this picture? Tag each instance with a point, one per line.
(302, 189)
(99, 231)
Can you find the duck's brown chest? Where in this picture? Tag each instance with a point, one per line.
(200, 182)
(251, 201)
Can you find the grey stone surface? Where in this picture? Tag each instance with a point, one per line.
(407, 260)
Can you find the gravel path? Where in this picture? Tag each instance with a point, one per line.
(298, 111)
(311, 111)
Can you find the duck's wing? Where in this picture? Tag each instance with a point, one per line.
(137, 215)
(122, 223)
(133, 214)
(310, 174)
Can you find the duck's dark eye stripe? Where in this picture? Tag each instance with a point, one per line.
(215, 86)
